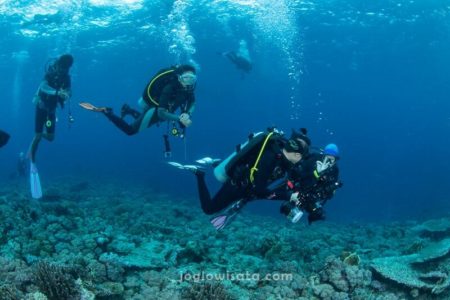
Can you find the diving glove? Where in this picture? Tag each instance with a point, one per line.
(322, 166)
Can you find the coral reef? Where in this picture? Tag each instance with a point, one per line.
(150, 255)
(94, 240)
(438, 228)
(406, 269)
(206, 291)
(343, 277)
(352, 259)
(55, 282)
(9, 292)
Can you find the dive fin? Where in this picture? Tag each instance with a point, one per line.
(224, 218)
(208, 161)
(219, 222)
(175, 164)
(35, 182)
(192, 168)
(89, 106)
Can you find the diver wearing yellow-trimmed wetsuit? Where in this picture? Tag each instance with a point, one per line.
(169, 90)
(54, 89)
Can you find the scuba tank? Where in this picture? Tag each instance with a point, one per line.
(143, 104)
(157, 83)
(224, 170)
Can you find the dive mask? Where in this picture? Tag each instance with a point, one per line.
(188, 80)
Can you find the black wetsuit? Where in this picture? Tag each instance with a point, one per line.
(272, 166)
(172, 97)
(240, 62)
(22, 166)
(48, 100)
(4, 137)
(314, 190)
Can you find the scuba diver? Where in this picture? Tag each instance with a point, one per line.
(21, 165)
(169, 90)
(247, 174)
(4, 138)
(54, 89)
(313, 182)
(241, 59)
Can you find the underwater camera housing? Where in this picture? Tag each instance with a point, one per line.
(291, 211)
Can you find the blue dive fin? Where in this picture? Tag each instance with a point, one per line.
(35, 182)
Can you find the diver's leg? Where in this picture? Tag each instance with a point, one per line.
(127, 110)
(224, 197)
(232, 56)
(143, 121)
(39, 123)
(49, 137)
(121, 124)
(49, 134)
(146, 119)
(134, 113)
(34, 146)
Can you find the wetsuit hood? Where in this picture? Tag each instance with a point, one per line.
(184, 68)
(301, 135)
(65, 61)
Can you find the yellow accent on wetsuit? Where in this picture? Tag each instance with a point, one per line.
(316, 174)
(255, 166)
(151, 83)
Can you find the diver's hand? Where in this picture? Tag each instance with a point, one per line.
(185, 119)
(295, 198)
(187, 123)
(322, 166)
(64, 94)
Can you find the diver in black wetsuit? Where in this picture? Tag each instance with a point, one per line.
(313, 182)
(4, 138)
(54, 89)
(277, 158)
(241, 59)
(258, 169)
(169, 90)
(21, 165)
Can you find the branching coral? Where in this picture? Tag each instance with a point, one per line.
(55, 282)
(206, 291)
(9, 292)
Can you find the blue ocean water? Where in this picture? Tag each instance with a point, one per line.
(371, 77)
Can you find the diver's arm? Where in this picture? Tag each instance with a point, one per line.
(68, 88)
(191, 109)
(47, 89)
(265, 168)
(163, 108)
(164, 114)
